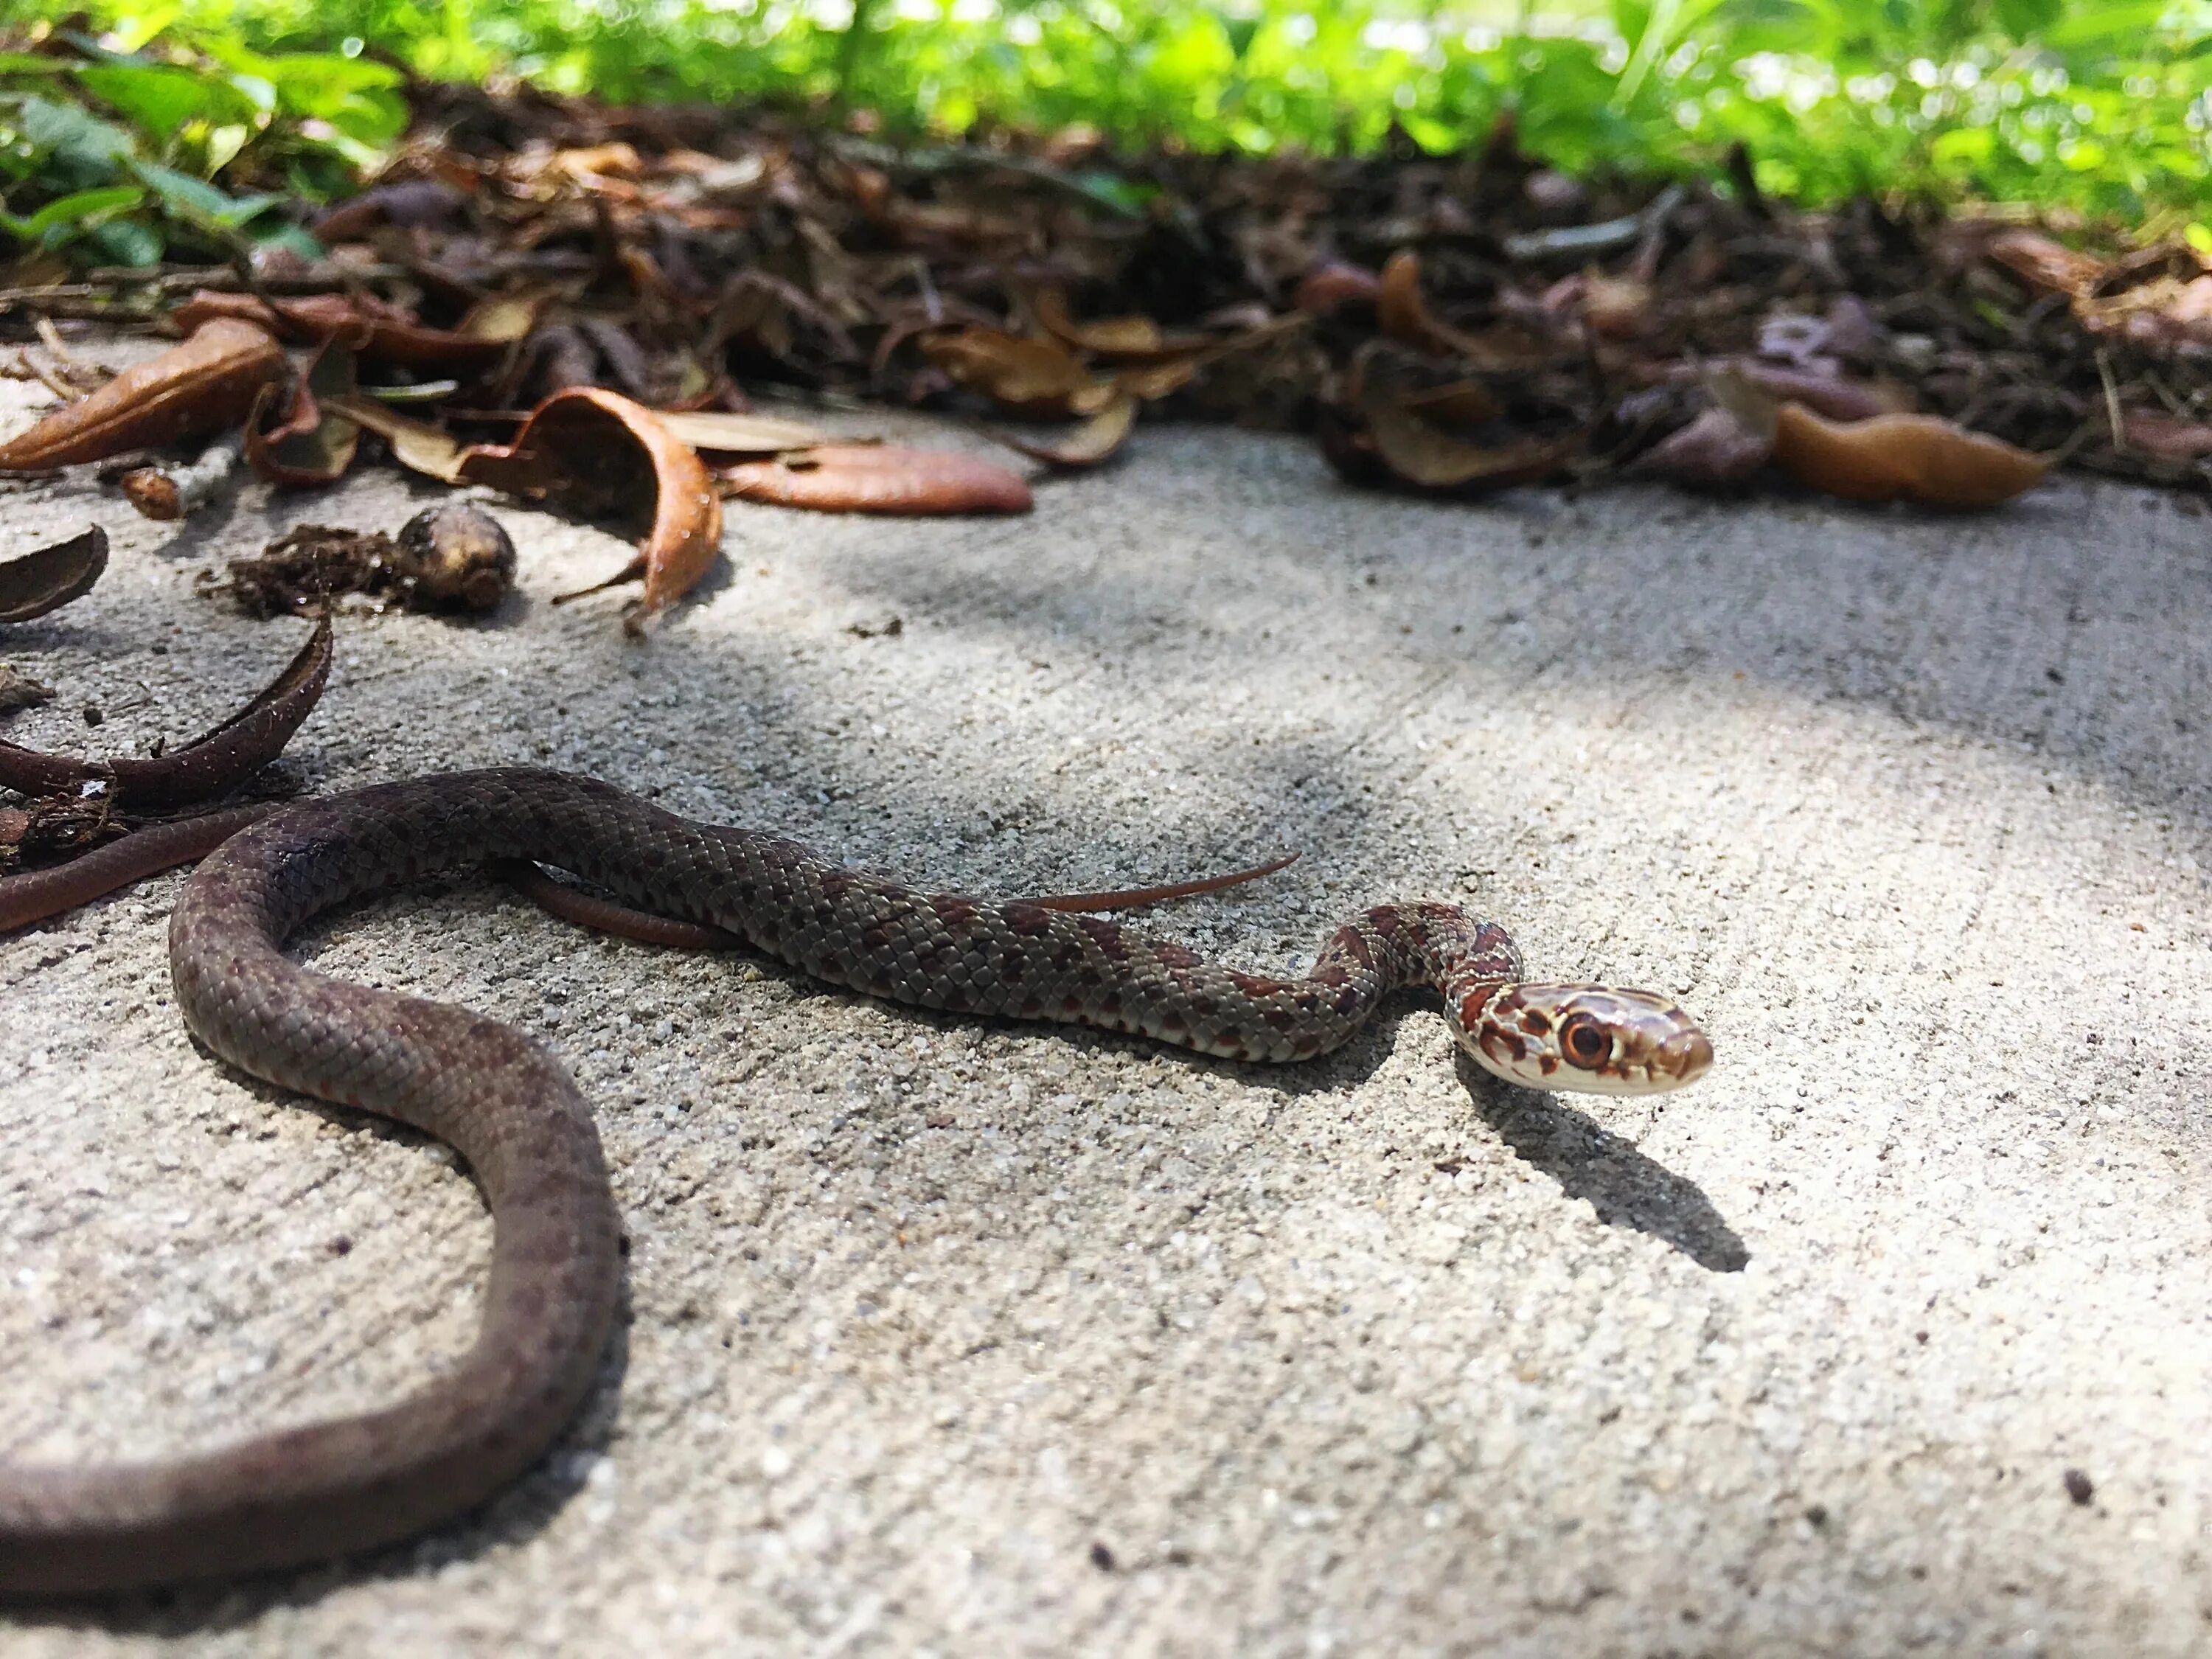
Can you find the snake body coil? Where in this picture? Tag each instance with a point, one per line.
(511, 1111)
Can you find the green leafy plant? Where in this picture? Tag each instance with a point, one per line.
(123, 156)
(2099, 106)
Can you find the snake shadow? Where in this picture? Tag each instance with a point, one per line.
(1588, 1160)
(514, 1515)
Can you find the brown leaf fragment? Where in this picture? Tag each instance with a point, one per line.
(46, 580)
(1036, 377)
(880, 478)
(1824, 394)
(597, 454)
(416, 445)
(1917, 457)
(718, 432)
(19, 690)
(2047, 265)
(1095, 441)
(1122, 338)
(1419, 453)
(378, 332)
(1155, 380)
(1327, 286)
(202, 386)
(211, 763)
(2167, 437)
(1715, 451)
(310, 443)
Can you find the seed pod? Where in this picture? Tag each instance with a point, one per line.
(454, 556)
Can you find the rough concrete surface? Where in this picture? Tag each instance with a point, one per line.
(957, 1338)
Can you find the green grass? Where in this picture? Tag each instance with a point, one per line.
(2098, 106)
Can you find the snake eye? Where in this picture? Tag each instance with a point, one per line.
(1584, 1041)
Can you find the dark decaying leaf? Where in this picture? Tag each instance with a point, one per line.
(1915, 457)
(881, 478)
(35, 583)
(203, 386)
(211, 763)
(599, 455)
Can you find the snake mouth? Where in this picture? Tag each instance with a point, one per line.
(1684, 1057)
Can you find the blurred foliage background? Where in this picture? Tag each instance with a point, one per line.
(177, 117)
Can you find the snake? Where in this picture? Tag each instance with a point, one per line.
(332, 1488)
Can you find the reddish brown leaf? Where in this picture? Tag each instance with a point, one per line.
(880, 478)
(310, 443)
(595, 454)
(1036, 377)
(206, 384)
(1917, 458)
(1326, 287)
(378, 332)
(211, 763)
(49, 578)
(1093, 443)
(2168, 437)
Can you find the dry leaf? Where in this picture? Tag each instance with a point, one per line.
(1326, 287)
(880, 478)
(379, 333)
(1713, 452)
(592, 452)
(1824, 394)
(1420, 453)
(2047, 264)
(1917, 458)
(1036, 377)
(1122, 337)
(2167, 437)
(206, 384)
(19, 690)
(415, 444)
(313, 444)
(49, 578)
(207, 766)
(1095, 441)
(1151, 381)
(718, 432)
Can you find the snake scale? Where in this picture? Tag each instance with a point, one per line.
(501, 1101)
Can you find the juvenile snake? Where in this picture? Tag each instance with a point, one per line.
(510, 1110)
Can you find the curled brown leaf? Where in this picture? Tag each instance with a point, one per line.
(378, 332)
(593, 453)
(1036, 377)
(310, 443)
(51, 577)
(1417, 452)
(1917, 457)
(880, 478)
(203, 386)
(719, 432)
(416, 445)
(1097, 440)
(211, 763)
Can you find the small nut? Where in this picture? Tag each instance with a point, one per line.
(454, 556)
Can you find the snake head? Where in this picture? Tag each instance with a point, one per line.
(1590, 1037)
